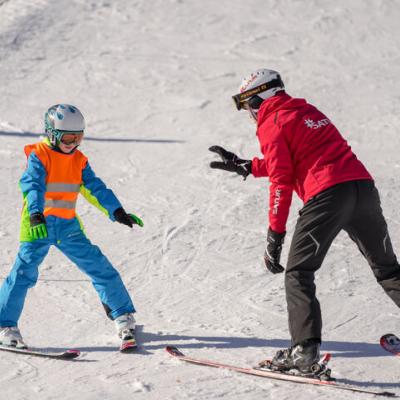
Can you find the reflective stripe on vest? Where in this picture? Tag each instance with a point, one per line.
(62, 187)
(69, 205)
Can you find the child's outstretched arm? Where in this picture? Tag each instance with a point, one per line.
(96, 192)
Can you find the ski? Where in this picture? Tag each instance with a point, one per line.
(68, 354)
(391, 343)
(173, 351)
(128, 345)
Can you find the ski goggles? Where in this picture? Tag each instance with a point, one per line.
(242, 98)
(69, 138)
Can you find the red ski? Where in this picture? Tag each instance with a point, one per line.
(391, 343)
(173, 351)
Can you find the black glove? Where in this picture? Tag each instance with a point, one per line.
(272, 255)
(122, 217)
(38, 228)
(230, 162)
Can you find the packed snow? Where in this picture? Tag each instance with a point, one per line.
(154, 80)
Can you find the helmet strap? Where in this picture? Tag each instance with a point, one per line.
(253, 114)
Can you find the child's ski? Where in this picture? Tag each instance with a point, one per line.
(68, 354)
(276, 375)
(391, 343)
(128, 345)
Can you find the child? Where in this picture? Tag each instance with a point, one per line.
(56, 172)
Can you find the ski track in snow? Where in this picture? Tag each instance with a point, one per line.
(154, 81)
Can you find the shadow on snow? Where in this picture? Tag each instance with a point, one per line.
(157, 341)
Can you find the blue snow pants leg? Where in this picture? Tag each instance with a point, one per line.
(23, 276)
(90, 260)
(67, 235)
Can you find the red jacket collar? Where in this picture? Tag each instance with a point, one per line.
(278, 102)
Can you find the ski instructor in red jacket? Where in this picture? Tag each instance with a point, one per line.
(304, 152)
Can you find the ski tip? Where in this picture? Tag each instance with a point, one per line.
(128, 349)
(385, 394)
(71, 353)
(326, 358)
(390, 343)
(388, 337)
(74, 351)
(174, 351)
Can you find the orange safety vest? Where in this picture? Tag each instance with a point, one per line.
(63, 179)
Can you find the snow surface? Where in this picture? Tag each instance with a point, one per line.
(154, 80)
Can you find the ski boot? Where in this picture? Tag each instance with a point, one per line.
(11, 336)
(304, 358)
(125, 325)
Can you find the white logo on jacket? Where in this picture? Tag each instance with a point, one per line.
(276, 201)
(310, 123)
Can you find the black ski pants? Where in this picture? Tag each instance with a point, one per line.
(354, 207)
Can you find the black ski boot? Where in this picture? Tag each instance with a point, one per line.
(303, 357)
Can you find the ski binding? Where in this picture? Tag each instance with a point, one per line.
(319, 370)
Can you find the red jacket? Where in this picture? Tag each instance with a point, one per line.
(303, 151)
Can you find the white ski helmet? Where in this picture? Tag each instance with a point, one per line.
(63, 118)
(255, 88)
